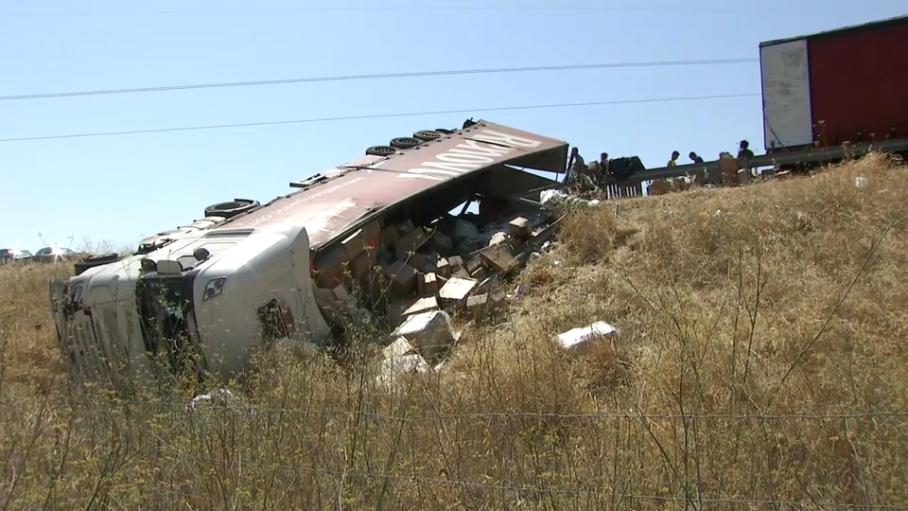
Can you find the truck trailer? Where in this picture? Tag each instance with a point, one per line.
(826, 97)
(842, 86)
(202, 297)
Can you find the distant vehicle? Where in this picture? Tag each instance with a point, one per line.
(54, 254)
(10, 255)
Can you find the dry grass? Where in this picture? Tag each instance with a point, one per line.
(761, 365)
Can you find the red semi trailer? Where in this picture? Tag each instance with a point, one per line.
(843, 86)
(826, 97)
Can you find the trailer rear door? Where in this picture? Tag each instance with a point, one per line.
(787, 120)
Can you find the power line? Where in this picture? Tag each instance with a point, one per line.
(403, 9)
(377, 116)
(375, 76)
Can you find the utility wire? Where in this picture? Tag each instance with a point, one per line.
(378, 116)
(376, 76)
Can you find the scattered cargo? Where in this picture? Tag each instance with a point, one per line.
(582, 339)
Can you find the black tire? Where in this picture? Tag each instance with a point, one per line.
(380, 150)
(405, 142)
(427, 135)
(231, 208)
(90, 262)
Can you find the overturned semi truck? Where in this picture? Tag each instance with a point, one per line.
(204, 296)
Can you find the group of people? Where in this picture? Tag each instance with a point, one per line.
(673, 162)
(595, 174)
(745, 155)
(588, 175)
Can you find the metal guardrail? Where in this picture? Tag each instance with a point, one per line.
(793, 157)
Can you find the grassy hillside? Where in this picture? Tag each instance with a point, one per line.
(761, 364)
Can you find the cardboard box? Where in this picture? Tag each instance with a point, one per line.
(519, 228)
(499, 259)
(409, 243)
(455, 291)
(443, 267)
(402, 276)
(421, 262)
(455, 262)
(363, 239)
(472, 264)
(428, 284)
(477, 304)
(329, 267)
(361, 264)
(430, 332)
(426, 304)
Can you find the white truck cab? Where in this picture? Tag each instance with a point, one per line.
(206, 298)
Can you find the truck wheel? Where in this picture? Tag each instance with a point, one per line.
(91, 262)
(380, 150)
(427, 135)
(405, 142)
(231, 208)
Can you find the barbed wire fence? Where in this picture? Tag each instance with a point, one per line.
(524, 490)
(211, 413)
(515, 490)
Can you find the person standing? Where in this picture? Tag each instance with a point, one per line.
(674, 161)
(604, 170)
(745, 155)
(694, 157)
(576, 166)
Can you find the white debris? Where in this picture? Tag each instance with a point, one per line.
(581, 339)
(499, 238)
(860, 182)
(547, 196)
(429, 332)
(557, 197)
(393, 368)
(398, 348)
(217, 398)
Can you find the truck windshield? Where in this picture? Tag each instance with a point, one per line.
(166, 317)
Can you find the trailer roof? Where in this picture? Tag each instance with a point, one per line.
(357, 192)
(839, 31)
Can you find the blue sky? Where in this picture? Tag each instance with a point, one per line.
(120, 189)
